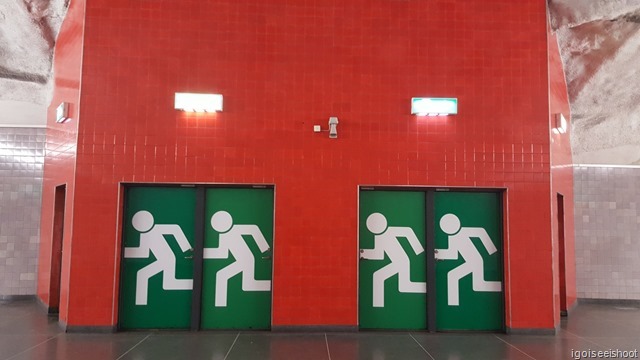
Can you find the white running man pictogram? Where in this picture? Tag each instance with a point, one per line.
(232, 243)
(460, 244)
(152, 240)
(386, 242)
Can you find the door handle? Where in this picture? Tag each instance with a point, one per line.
(267, 257)
(435, 255)
(189, 257)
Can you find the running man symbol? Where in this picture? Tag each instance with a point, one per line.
(232, 242)
(152, 241)
(460, 244)
(386, 242)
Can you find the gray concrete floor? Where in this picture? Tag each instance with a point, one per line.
(27, 333)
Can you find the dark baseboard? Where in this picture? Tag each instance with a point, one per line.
(91, 329)
(616, 302)
(14, 298)
(536, 331)
(51, 311)
(565, 313)
(314, 328)
(86, 329)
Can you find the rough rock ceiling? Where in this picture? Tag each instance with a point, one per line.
(600, 44)
(599, 40)
(28, 29)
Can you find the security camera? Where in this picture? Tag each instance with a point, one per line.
(333, 127)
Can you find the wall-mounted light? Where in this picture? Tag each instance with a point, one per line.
(434, 106)
(62, 113)
(560, 124)
(198, 102)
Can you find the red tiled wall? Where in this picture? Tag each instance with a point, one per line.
(561, 173)
(284, 66)
(59, 166)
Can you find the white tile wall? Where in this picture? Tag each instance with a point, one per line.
(21, 169)
(607, 224)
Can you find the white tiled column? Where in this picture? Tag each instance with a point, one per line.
(21, 169)
(607, 224)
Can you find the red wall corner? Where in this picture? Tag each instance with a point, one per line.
(60, 152)
(561, 178)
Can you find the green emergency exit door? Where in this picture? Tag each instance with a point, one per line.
(468, 241)
(196, 257)
(392, 285)
(430, 260)
(157, 264)
(236, 282)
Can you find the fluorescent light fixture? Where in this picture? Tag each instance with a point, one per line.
(560, 125)
(198, 102)
(62, 113)
(434, 106)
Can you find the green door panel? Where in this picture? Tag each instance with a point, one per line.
(468, 241)
(237, 259)
(158, 241)
(392, 281)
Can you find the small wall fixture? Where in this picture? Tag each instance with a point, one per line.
(434, 106)
(333, 128)
(62, 113)
(198, 102)
(560, 124)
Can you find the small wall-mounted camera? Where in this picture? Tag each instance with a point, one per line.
(333, 128)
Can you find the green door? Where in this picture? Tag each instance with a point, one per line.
(392, 282)
(468, 243)
(157, 264)
(238, 238)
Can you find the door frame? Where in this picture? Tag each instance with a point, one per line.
(429, 192)
(562, 260)
(199, 224)
(57, 246)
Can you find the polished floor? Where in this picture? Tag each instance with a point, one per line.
(26, 333)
